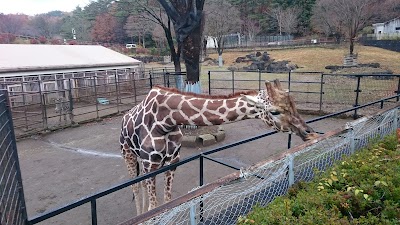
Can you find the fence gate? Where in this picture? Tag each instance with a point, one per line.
(12, 203)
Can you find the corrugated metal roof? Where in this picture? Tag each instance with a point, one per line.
(23, 57)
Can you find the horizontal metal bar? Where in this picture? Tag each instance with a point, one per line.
(362, 75)
(305, 92)
(349, 110)
(221, 162)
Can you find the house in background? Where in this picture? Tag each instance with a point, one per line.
(387, 29)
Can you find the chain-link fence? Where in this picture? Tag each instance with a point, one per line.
(12, 203)
(222, 202)
(314, 91)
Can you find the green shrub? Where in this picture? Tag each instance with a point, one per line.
(362, 189)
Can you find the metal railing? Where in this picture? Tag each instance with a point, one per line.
(92, 199)
(315, 91)
(82, 99)
(12, 202)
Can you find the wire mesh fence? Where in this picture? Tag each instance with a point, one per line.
(12, 203)
(222, 202)
(313, 91)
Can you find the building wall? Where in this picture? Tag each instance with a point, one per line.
(392, 27)
(389, 27)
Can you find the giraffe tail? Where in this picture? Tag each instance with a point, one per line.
(137, 174)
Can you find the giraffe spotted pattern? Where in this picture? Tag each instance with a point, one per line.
(151, 137)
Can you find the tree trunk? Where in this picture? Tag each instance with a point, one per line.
(351, 46)
(191, 55)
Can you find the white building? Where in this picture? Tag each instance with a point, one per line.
(33, 68)
(388, 28)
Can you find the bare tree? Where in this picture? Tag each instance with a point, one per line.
(251, 28)
(151, 10)
(277, 14)
(287, 19)
(346, 17)
(138, 26)
(12, 23)
(290, 20)
(222, 19)
(159, 37)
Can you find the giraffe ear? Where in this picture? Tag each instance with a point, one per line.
(252, 100)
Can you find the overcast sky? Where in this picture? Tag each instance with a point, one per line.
(32, 7)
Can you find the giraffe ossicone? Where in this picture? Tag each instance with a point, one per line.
(151, 137)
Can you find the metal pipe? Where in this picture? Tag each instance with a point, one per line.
(357, 91)
(93, 211)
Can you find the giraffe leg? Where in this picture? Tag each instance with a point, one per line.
(132, 165)
(145, 197)
(151, 192)
(169, 178)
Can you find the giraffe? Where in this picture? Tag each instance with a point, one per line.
(62, 108)
(151, 138)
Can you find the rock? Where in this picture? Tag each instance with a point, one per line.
(240, 59)
(253, 66)
(207, 139)
(220, 135)
(250, 56)
(189, 141)
(265, 57)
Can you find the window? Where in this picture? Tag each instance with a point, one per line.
(130, 46)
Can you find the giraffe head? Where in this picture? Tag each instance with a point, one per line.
(278, 110)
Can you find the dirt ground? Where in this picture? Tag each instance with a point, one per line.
(66, 165)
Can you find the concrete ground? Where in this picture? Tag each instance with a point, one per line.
(66, 165)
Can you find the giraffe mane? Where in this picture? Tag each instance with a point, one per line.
(190, 94)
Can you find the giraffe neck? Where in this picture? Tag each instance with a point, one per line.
(179, 109)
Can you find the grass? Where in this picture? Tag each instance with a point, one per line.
(361, 189)
(316, 58)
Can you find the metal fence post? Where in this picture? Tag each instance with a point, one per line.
(167, 76)
(95, 98)
(94, 212)
(116, 88)
(24, 103)
(357, 91)
(395, 123)
(259, 80)
(151, 80)
(201, 184)
(43, 105)
(233, 81)
(289, 80)
(164, 77)
(209, 82)
(352, 141)
(71, 102)
(321, 92)
(134, 90)
(291, 170)
(398, 89)
(192, 215)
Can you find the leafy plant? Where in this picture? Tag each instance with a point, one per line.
(362, 189)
